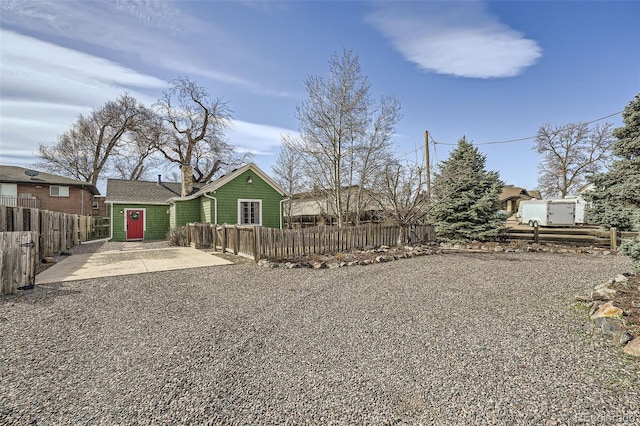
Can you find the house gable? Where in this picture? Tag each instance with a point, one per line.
(239, 188)
(217, 202)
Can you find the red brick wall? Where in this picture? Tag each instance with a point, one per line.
(73, 204)
(103, 209)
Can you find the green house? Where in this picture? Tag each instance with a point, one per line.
(142, 210)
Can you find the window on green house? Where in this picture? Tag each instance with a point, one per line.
(249, 212)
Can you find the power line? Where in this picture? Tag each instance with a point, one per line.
(435, 154)
(531, 137)
(420, 148)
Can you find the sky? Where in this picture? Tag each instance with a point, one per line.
(489, 71)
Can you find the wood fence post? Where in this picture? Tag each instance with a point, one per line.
(236, 239)
(224, 238)
(614, 238)
(18, 219)
(76, 231)
(256, 241)
(536, 236)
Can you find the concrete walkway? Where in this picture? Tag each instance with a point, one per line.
(118, 262)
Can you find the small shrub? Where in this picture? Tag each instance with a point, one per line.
(177, 236)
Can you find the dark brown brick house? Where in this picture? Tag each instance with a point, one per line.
(511, 196)
(30, 188)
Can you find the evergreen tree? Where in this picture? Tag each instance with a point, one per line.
(616, 198)
(617, 192)
(465, 197)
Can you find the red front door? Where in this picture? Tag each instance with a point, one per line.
(135, 224)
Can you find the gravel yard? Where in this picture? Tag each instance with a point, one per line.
(442, 339)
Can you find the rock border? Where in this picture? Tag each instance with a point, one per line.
(381, 254)
(609, 318)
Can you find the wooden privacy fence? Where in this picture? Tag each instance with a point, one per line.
(56, 231)
(576, 236)
(257, 242)
(18, 260)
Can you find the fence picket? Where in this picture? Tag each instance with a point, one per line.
(56, 232)
(258, 243)
(18, 258)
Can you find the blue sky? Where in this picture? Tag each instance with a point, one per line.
(492, 71)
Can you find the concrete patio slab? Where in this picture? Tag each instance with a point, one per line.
(112, 263)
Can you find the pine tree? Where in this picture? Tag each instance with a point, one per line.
(616, 198)
(465, 197)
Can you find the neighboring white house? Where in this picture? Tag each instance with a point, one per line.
(317, 207)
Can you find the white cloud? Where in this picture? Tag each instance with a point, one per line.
(460, 39)
(37, 69)
(154, 33)
(45, 87)
(232, 79)
(259, 139)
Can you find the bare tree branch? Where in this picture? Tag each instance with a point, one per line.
(569, 154)
(344, 136)
(86, 150)
(195, 125)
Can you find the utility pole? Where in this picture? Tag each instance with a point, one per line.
(426, 155)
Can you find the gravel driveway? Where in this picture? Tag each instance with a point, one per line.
(444, 339)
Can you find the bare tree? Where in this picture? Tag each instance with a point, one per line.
(344, 135)
(401, 193)
(195, 123)
(569, 154)
(211, 160)
(84, 152)
(133, 159)
(374, 152)
(288, 173)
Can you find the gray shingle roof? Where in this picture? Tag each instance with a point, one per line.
(145, 192)
(513, 192)
(15, 174)
(142, 192)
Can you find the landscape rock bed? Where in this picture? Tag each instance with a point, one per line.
(615, 308)
(462, 339)
(382, 254)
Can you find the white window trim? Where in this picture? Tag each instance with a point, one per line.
(59, 186)
(249, 200)
(144, 220)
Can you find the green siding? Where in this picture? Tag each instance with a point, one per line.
(187, 211)
(156, 221)
(159, 218)
(202, 209)
(206, 210)
(238, 188)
